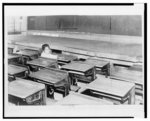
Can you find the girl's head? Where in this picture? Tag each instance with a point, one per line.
(16, 49)
(46, 48)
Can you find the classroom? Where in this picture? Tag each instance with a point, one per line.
(75, 59)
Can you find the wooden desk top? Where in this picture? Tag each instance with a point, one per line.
(13, 69)
(42, 62)
(26, 52)
(66, 58)
(110, 86)
(77, 66)
(80, 99)
(11, 56)
(23, 88)
(52, 76)
(98, 63)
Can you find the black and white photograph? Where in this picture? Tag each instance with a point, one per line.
(74, 60)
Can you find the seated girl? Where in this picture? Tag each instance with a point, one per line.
(47, 53)
(16, 49)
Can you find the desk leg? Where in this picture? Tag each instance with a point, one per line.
(44, 96)
(94, 74)
(132, 96)
(18, 103)
(45, 91)
(73, 79)
(65, 91)
(107, 70)
(69, 81)
(56, 65)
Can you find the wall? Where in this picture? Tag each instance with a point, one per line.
(16, 24)
(118, 25)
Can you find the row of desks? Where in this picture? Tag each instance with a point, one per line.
(80, 68)
(112, 89)
(76, 68)
(33, 54)
(105, 87)
(28, 90)
(57, 78)
(43, 62)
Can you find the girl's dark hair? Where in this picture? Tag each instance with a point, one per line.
(44, 46)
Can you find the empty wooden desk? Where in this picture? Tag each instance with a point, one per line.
(28, 54)
(129, 74)
(80, 99)
(10, 48)
(112, 89)
(43, 63)
(12, 58)
(25, 92)
(64, 58)
(80, 71)
(102, 65)
(17, 71)
(52, 77)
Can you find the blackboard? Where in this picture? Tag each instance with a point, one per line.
(117, 25)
